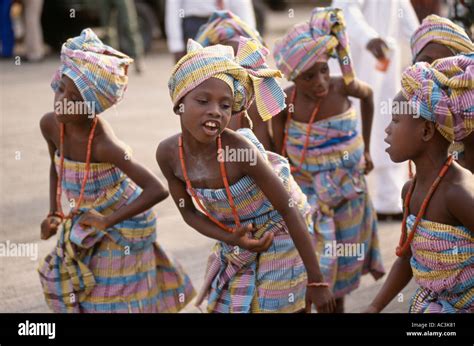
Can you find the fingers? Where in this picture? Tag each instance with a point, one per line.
(241, 231)
(262, 244)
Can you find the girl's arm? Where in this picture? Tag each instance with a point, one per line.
(49, 225)
(47, 124)
(399, 276)
(278, 129)
(278, 123)
(196, 219)
(362, 91)
(279, 197)
(112, 151)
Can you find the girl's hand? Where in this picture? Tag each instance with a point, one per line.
(49, 227)
(321, 297)
(371, 310)
(94, 219)
(369, 164)
(241, 239)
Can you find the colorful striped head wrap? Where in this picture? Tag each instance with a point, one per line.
(322, 37)
(98, 71)
(442, 31)
(443, 92)
(246, 73)
(223, 26)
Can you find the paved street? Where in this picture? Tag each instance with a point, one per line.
(141, 120)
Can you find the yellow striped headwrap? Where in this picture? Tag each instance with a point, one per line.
(316, 40)
(247, 75)
(442, 31)
(443, 92)
(223, 26)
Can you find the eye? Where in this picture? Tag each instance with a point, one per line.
(201, 101)
(324, 70)
(308, 77)
(225, 106)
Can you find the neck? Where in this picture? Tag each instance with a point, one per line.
(80, 128)
(429, 164)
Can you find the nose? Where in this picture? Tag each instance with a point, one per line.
(387, 129)
(214, 109)
(318, 82)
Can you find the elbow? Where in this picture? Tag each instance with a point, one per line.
(370, 95)
(161, 195)
(157, 192)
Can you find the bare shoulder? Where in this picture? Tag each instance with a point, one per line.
(232, 139)
(48, 124)
(460, 187)
(357, 88)
(166, 152)
(107, 147)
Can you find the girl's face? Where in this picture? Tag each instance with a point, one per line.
(433, 51)
(206, 110)
(314, 82)
(405, 132)
(69, 106)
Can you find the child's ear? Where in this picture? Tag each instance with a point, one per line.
(429, 130)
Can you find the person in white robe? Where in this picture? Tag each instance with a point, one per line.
(381, 29)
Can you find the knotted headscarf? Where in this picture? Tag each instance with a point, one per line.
(246, 73)
(317, 40)
(223, 26)
(442, 31)
(443, 92)
(98, 71)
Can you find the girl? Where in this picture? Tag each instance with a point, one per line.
(328, 155)
(236, 197)
(225, 28)
(106, 258)
(436, 244)
(437, 38)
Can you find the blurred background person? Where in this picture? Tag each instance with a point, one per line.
(378, 32)
(123, 14)
(33, 31)
(7, 39)
(183, 19)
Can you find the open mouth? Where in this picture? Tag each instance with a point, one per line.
(211, 127)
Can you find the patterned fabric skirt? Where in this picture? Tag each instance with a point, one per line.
(443, 265)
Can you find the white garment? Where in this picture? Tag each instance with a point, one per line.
(33, 31)
(176, 10)
(394, 21)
